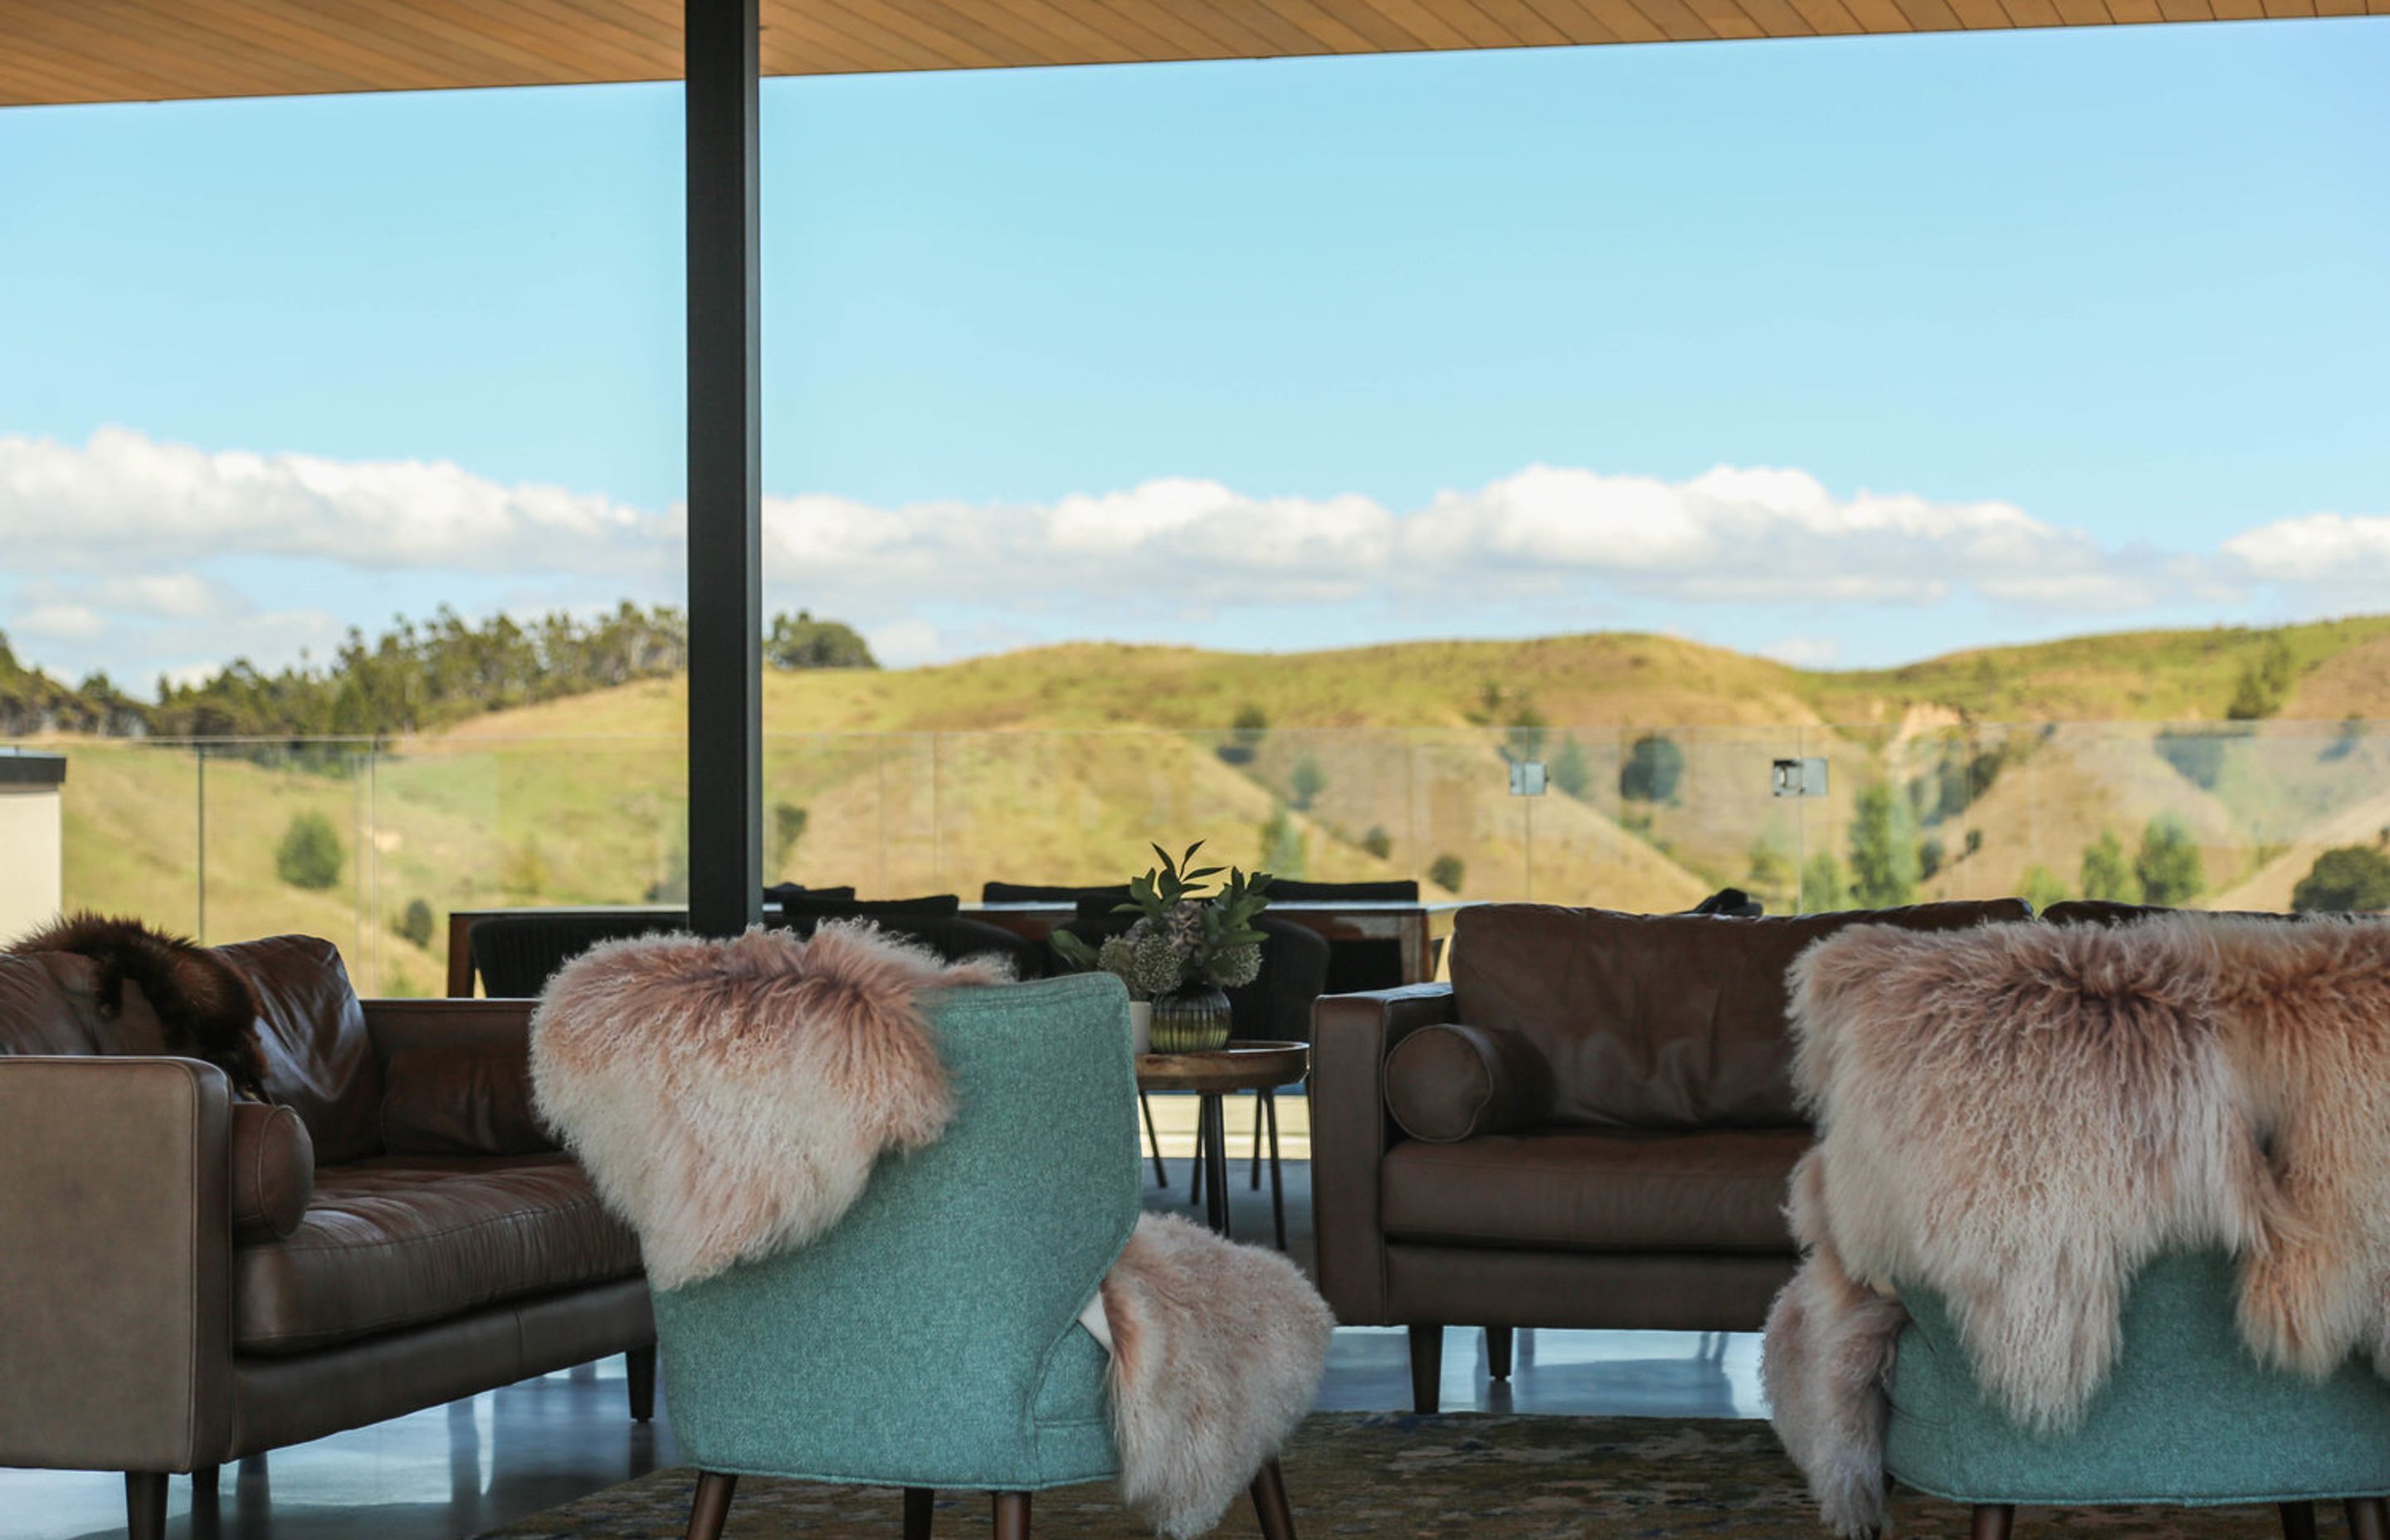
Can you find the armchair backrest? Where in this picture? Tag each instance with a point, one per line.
(1658, 1021)
(931, 1338)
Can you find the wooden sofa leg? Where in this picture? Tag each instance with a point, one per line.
(1269, 1503)
(921, 1502)
(144, 1504)
(205, 1483)
(639, 1365)
(1012, 1516)
(709, 1509)
(1497, 1352)
(1993, 1520)
(2368, 1518)
(1427, 1369)
(2298, 1520)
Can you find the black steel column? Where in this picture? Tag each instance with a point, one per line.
(725, 529)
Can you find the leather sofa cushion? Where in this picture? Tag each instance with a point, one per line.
(462, 1100)
(272, 1170)
(1449, 1081)
(1582, 1191)
(310, 1031)
(404, 1241)
(1657, 1021)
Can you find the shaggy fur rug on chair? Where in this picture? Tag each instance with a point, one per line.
(2018, 1117)
(731, 1098)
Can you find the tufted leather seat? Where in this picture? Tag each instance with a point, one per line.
(407, 1240)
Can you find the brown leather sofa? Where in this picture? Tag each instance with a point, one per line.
(1590, 1125)
(190, 1278)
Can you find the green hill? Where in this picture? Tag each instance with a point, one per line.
(1951, 776)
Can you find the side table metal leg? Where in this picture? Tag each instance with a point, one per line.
(1216, 1162)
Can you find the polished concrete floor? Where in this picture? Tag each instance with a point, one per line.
(455, 1470)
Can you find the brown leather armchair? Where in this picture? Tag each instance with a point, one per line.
(1590, 1126)
(190, 1278)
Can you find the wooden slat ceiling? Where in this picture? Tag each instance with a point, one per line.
(145, 50)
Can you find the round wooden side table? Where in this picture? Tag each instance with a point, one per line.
(1250, 1065)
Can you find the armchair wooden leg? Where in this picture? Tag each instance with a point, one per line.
(1160, 1171)
(1427, 1369)
(1993, 1520)
(640, 1366)
(919, 1503)
(144, 1504)
(1497, 1352)
(711, 1507)
(1269, 1503)
(2298, 1520)
(2368, 1518)
(1012, 1516)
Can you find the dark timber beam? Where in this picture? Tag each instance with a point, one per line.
(726, 518)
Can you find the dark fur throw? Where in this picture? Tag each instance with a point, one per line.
(201, 1001)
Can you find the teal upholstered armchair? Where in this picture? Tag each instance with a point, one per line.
(931, 1339)
(2188, 1418)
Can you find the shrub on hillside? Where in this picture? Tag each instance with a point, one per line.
(2196, 753)
(2346, 877)
(1378, 842)
(1883, 863)
(1306, 783)
(1654, 766)
(416, 925)
(1572, 770)
(798, 641)
(2265, 682)
(2107, 876)
(1245, 735)
(1448, 871)
(2169, 864)
(310, 853)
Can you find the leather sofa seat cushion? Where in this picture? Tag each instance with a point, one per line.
(312, 1032)
(1657, 1021)
(1449, 1081)
(405, 1240)
(1582, 1191)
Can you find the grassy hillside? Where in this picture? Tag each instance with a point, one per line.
(1059, 764)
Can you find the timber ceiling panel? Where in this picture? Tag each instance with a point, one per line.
(136, 50)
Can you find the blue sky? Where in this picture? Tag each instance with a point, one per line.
(1997, 336)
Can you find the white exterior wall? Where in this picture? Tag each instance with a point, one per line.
(32, 869)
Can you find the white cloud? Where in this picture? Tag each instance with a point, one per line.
(125, 498)
(149, 554)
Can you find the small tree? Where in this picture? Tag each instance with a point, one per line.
(523, 869)
(1524, 740)
(1245, 735)
(1823, 887)
(2197, 754)
(800, 641)
(1306, 782)
(416, 924)
(788, 823)
(1284, 850)
(1378, 842)
(2041, 888)
(2106, 874)
(310, 853)
(2265, 682)
(1572, 770)
(2169, 864)
(2351, 877)
(1884, 863)
(1931, 852)
(1654, 764)
(1448, 871)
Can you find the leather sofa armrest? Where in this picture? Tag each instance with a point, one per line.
(115, 1262)
(1449, 1081)
(456, 1076)
(1350, 1133)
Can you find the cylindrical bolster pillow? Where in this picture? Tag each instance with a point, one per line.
(473, 1100)
(1449, 1081)
(272, 1170)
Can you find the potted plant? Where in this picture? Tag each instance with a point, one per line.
(1187, 947)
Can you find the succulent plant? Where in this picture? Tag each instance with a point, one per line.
(1183, 936)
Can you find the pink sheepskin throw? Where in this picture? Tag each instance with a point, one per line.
(731, 1098)
(2017, 1118)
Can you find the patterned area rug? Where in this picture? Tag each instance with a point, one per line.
(1484, 1477)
